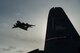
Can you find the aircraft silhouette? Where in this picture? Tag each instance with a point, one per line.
(23, 26)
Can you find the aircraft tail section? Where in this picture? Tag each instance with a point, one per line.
(60, 34)
(59, 25)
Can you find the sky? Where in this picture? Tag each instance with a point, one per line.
(32, 12)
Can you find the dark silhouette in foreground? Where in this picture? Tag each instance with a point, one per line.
(36, 51)
(61, 36)
(23, 26)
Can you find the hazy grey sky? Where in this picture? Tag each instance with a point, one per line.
(34, 12)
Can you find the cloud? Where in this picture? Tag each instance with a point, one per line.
(19, 51)
(8, 49)
(12, 47)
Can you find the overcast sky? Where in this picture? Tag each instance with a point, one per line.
(34, 12)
